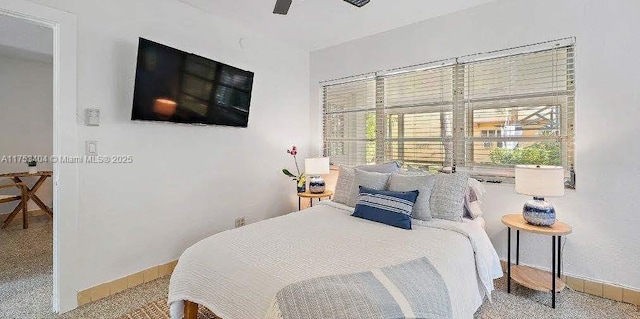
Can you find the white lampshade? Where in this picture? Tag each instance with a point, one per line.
(316, 166)
(540, 181)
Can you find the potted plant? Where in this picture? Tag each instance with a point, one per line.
(32, 166)
(300, 179)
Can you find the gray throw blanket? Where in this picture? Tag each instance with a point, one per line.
(409, 290)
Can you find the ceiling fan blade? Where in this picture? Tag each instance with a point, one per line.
(282, 7)
(358, 3)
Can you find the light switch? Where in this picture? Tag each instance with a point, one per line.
(92, 117)
(91, 148)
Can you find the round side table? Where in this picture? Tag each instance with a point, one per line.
(311, 196)
(530, 277)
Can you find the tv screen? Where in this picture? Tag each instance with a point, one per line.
(176, 86)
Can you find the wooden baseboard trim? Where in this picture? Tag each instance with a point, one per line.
(600, 289)
(113, 287)
(597, 288)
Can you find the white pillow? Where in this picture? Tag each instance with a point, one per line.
(472, 203)
(473, 210)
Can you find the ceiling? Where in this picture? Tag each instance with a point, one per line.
(20, 38)
(316, 24)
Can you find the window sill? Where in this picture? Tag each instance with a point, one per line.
(492, 176)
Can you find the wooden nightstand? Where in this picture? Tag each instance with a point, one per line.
(310, 196)
(530, 277)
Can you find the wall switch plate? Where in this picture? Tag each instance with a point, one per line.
(240, 222)
(92, 117)
(91, 148)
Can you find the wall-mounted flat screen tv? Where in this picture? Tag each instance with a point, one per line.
(176, 86)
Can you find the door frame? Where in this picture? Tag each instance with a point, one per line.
(65, 143)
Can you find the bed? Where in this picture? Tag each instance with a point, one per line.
(237, 273)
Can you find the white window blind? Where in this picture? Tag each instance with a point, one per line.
(350, 122)
(482, 113)
(418, 109)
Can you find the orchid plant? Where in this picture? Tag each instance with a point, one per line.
(300, 178)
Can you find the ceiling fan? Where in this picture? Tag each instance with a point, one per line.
(282, 6)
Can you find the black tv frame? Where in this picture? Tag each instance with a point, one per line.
(216, 113)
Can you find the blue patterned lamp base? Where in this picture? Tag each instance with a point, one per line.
(316, 185)
(539, 212)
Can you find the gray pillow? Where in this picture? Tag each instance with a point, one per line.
(423, 183)
(372, 180)
(448, 196)
(391, 167)
(344, 184)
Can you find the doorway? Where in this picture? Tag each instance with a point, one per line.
(64, 180)
(26, 145)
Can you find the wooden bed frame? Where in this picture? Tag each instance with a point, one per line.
(190, 310)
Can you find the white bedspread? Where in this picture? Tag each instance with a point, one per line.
(237, 273)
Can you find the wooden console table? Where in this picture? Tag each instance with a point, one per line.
(31, 194)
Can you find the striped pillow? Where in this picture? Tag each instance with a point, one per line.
(387, 207)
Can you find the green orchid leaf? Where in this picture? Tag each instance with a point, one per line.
(286, 172)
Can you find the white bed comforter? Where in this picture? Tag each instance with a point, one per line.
(236, 273)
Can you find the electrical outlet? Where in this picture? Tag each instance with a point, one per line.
(239, 221)
(91, 148)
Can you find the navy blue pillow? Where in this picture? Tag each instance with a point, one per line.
(387, 207)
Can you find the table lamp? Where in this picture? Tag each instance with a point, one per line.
(539, 182)
(314, 168)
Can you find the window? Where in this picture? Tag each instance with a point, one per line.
(489, 134)
(350, 122)
(483, 113)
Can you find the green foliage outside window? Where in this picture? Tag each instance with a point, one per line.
(370, 132)
(541, 153)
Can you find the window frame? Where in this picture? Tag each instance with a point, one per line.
(461, 142)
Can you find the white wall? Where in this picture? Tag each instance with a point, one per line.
(604, 209)
(26, 119)
(26, 38)
(186, 182)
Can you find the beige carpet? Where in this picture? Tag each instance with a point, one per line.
(526, 303)
(521, 303)
(26, 285)
(160, 310)
(26, 282)
(26, 264)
